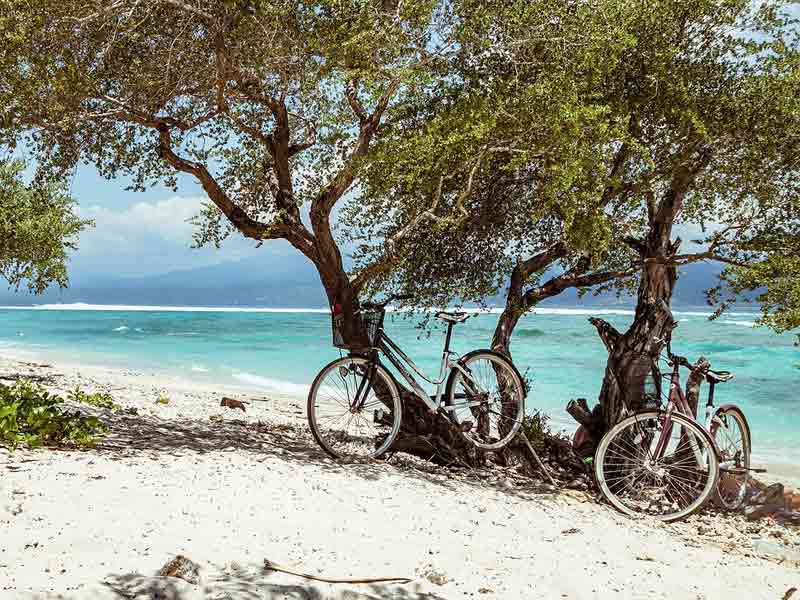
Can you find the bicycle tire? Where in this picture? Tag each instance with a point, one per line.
(340, 400)
(513, 404)
(721, 496)
(632, 460)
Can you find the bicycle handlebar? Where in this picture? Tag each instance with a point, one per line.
(681, 360)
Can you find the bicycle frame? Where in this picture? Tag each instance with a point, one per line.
(677, 401)
(391, 350)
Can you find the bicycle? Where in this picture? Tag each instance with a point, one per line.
(355, 408)
(662, 463)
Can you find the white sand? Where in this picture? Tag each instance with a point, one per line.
(100, 523)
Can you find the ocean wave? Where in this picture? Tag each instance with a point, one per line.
(121, 328)
(284, 387)
(199, 369)
(742, 323)
(578, 311)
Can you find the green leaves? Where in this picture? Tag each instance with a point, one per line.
(32, 416)
(38, 228)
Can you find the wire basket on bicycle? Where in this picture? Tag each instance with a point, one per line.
(367, 322)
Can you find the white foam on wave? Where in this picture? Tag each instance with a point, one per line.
(81, 306)
(121, 328)
(742, 323)
(284, 387)
(199, 369)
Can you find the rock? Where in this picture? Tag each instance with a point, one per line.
(437, 578)
(788, 517)
(232, 403)
(434, 575)
(771, 495)
(485, 590)
(182, 568)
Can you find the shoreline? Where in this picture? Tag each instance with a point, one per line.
(777, 470)
(228, 489)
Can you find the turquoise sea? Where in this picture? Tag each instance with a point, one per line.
(282, 350)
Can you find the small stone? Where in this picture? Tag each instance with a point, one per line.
(571, 530)
(436, 578)
(485, 590)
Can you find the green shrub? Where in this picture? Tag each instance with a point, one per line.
(536, 428)
(30, 415)
(98, 399)
(162, 398)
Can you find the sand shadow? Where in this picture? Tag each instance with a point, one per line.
(130, 435)
(252, 585)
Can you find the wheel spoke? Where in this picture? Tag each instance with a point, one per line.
(346, 430)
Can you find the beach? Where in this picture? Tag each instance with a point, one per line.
(229, 489)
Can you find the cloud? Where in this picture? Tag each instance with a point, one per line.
(148, 238)
(167, 218)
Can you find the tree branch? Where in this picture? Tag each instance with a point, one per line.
(574, 278)
(389, 256)
(543, 259)
(341, 182)
(607, 333)
(236, 215)
(685, 259)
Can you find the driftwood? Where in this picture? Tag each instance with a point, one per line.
(537, 459)
(271, 566)
(232, 403)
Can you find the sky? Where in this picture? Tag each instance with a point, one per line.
(146, 233)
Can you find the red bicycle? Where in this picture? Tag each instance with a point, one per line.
(662, 463)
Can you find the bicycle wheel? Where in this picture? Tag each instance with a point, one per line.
(646, 465)
(732, 435)
(486, 399)
(350, 417)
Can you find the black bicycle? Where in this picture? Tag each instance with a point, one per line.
(355, 408)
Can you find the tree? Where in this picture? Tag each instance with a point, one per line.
(268, 106)
(513, 159)
(577, 147)
(716, 102)
(37, 229)
(271, 107)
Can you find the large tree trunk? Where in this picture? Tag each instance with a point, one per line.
(633, 354)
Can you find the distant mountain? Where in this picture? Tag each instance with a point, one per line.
(290, 282)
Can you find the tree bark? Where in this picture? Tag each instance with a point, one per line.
(633, 354)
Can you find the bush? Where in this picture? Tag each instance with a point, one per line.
(30, 415)
(536, 428)
(100, 400)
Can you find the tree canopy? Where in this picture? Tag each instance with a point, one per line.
(270, 106)
(582, 133)
(38, 228)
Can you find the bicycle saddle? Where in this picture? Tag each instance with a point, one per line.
(718, 376)
(452, 317)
